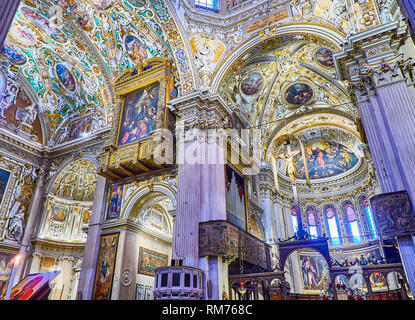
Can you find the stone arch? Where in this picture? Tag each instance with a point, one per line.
(144, 192)
(312, 252)
(91, 157)
(329, 34)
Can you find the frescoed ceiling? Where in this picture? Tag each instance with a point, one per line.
(69, 51)
(64, 55)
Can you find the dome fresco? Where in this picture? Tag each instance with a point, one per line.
(325, 159)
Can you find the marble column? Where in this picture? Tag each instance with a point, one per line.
(127, 259)
(87, 275)
(35, 265)
(379, 80)
(34, 212)
(7, 12)
(201, 183)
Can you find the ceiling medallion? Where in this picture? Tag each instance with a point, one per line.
(299, 94)
(65, 77)
(252, 83)
(324, 57)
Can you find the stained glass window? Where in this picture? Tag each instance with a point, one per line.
(370, 218)
(352, 220)
(312, 223)
(207, 4)
(332, 226)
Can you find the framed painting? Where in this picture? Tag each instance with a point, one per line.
(81, 128)
(114, 206)
(314, 272)
(393, 214)
(5, 271)
(105, 267)
(149, 261)
(4, 179)
(139, 114)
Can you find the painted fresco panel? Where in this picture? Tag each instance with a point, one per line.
(299, 94)
(4, 179)
(314, 271)
(325, 159)
(13, 53)
(393, 214)
(324, 56)
(252, 83)
(5, 271)
(139, 115)
(44, 24)
(105, 267)
(149, 261)
(81, 128)
(114, 208)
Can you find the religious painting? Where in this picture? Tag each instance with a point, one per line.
(59, 213)
(103, 4)
(252, 83)
(377, 281)
(5, 271)
(324, 56)
(135, 48)
(22, 35)
(105, 267)
(81, 128)
(29, 287)
(207, 49)
(4, 179)
(78, 11)
(149, 261)
(137, 3)
(13, 53)
(299, 94)
(45, 25)
(314, 271)
(114, 208)
(324, 159)
(139, 115)
(65, 77)
(235, 198)
(393, 214)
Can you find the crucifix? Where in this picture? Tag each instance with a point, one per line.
(289, 157)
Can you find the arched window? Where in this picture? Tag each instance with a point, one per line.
(332, 225)
(352, 223)
(312, 223)
(207, 4)
(368, 213)
(294, 220)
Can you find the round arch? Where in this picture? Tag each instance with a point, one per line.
(143, 192)
(327, 33)
(91, 157)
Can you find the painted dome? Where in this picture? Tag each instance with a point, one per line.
(325, 159)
